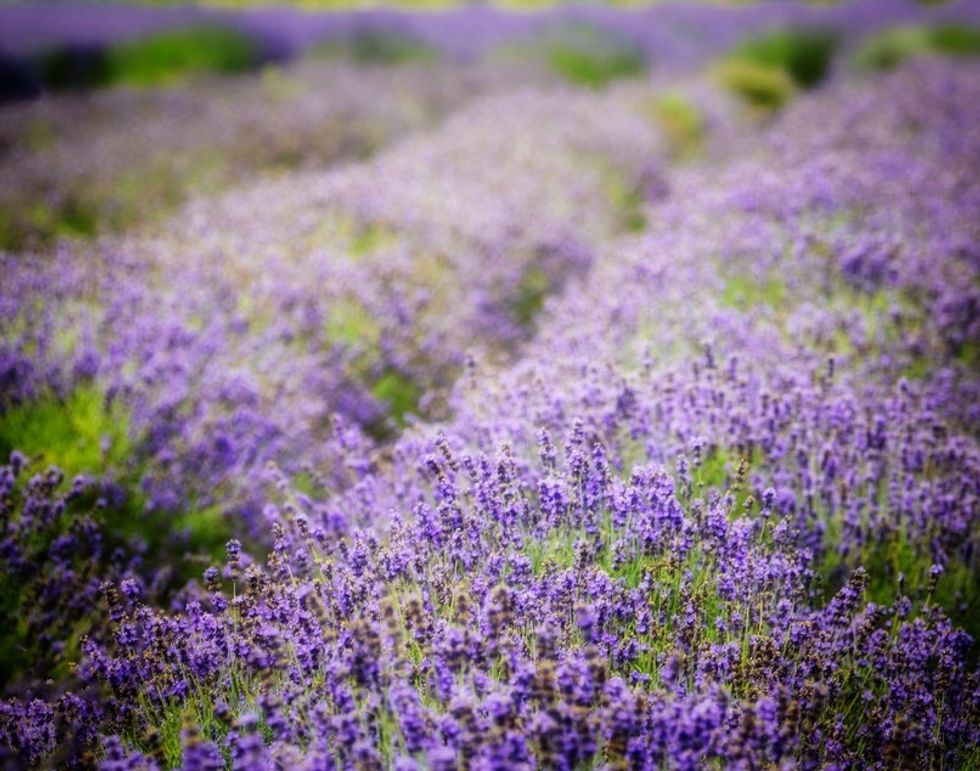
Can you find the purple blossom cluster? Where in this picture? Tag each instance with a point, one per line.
(544, 447)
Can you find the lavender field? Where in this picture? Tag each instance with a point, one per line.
(578, 389)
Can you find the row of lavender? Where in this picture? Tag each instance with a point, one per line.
(674, 34)
(299, 321)
(723, 510)
(84, 164)
(257, 324)
(77, 165)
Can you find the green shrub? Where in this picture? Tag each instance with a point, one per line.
(804, 55)
(889, 48)
(594, 67)
(160, 59)
(767, 71)
(955, 40)
(170, 56)
(758, 85)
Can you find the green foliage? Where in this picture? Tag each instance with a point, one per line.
(594, 68)
(27, 626)
(767, 71)
(86, 433)
(581, 54)
(10, 234)
(387, 48)
(918, 368)
(744, 292)
(206, 529)
(35, 603)
(969, 354)
(886, 50)
(627, 201)
(161, 59)
(760, 86)
(370, 239)
(170, 56)
(81, 433)
(713, 471)
(897, 566)
(71, 216)
(802, 54)
(956, 40)
(889, 48)
(399, 392)
(76, 218)
(350, 323)
(531, 293)
(681, 123)
(692, 578)
(307, 484)
(556, 549)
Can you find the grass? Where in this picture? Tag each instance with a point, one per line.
(81, 433)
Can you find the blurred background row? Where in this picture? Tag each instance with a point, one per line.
(112, 114)
(58, 46)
